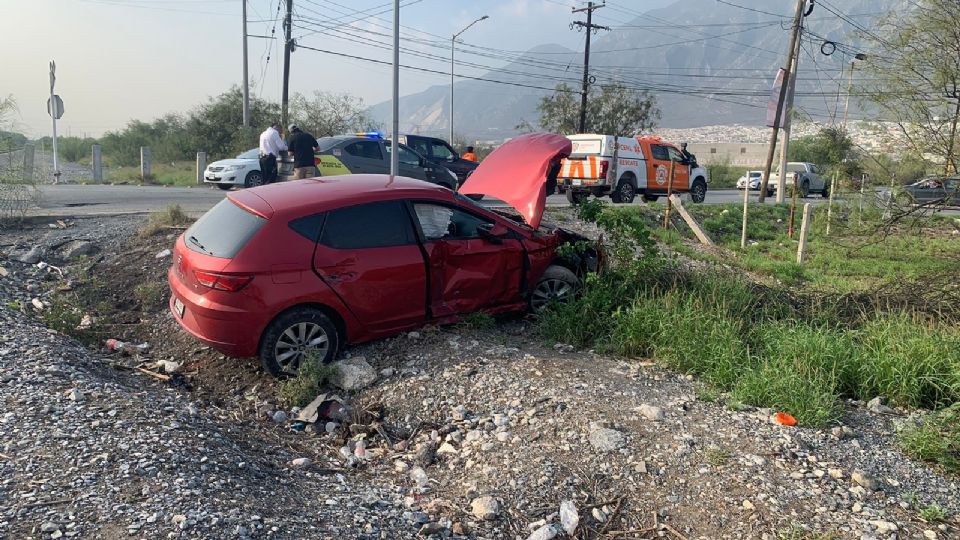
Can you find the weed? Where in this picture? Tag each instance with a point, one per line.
(799, 533)
(479, 320)
(717, 456)
(151, 295)
(311, 377)
(936, 438)
(171, 216)
(708, 393)
(932, 513)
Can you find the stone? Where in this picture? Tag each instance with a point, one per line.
(460, 529)
(747, 505)
(447, 448)
(546, 532)
(876, 405)
(301, 462)
(162, 254)
(486, 508)
(459, 413)
(598, 515)
(4, 272)
(386, 373)
(75, 394)
(606, 439)
(49, 527)
(33, 256)
(353, 374)
(650, 412)
(78, 248)
(864, 480)
(842, 432)
(431, 528)
(836, 474)
(419, 476)
(884, 527)
(569, 517)
(279, 417)
(930, 534)
(473, 435)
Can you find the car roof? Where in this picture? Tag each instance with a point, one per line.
(302, 197)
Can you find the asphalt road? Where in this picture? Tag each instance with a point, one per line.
(86, 200)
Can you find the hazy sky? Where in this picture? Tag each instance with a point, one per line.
(119, 60)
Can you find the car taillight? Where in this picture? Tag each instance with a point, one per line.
(604, 165)
(222, 282)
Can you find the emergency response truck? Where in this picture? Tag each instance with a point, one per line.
(624, 167)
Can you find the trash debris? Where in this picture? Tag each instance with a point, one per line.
(126, 348)
(323, 407)
(784, 419)
(166, 366)
(86, 322)
(164, 253)
(37, 304)
(49, 267)
(569, 518)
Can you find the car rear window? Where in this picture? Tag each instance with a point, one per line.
(223, 231)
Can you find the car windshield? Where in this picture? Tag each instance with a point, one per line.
(326, 143)
(755, 174)
(250, 154)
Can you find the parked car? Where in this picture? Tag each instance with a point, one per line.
(806, 176)
(370, 154)
(284, 269)
(241, 171)
(439, 152)
(753, 179)
(933, 190)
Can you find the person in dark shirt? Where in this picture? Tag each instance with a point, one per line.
(302, 145)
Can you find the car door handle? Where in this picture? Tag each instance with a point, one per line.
(341, 276)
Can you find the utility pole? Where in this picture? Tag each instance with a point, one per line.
(781, 99)
(395, 136)
(453, 43)
(287, 49)
(590, 27)
(246, 77)
(784, 146)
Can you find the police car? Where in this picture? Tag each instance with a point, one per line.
(369, 153)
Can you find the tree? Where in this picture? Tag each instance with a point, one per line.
(8, 108)
(913, 75)
(616, 110)
(217, 126)
(326, 114)
(831, 148)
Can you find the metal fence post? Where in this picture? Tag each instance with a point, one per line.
(28, 151)
(201, 166)
(144, 163)
(97, 165)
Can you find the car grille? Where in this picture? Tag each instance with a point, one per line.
(214, 169)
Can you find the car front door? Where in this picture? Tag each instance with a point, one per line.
(365, 156)
(409, 162)
(658, 168)
(468, 269)
(369, 255)
(681, 173)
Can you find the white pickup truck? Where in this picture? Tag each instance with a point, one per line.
(624, 167)
(807, 176)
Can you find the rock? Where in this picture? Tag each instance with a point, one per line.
(650, 412)
(842, 432)
(446, 448)
(419, 476)
(599, 515)
(930, 534)
(353, 374)
(180, 521)
(77, 248)
(300, 463)
(49, 527)
(546, 532)
(606, 439)
(486, 508)
(864, 480)
(162, 254)
(473, 435)
(75, 394)
(37, 304)
(324, 406)
(569, 517)
(884, 527)
(459, 413)
(331, 427)
(876, 405)
(431, 528)
(386, 373)
(747, 505)
(33, 256)
(460, 529)
(279, 417)
(836, 474)
(4, 272)
(426, 454)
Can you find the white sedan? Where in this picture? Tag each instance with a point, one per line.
(241, 171)
(753, 177)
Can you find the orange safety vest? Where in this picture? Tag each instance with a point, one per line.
(470, 156)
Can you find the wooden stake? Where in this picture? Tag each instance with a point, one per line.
(793, 211)
(692, 223)
(746, 204)
(833, 186)
(666, 215)
(804, 228)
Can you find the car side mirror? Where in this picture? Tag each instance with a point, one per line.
(453, 157)
(492, 232)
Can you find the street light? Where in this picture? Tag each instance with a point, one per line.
(453, 41)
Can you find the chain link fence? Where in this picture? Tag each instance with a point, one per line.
(19, 178)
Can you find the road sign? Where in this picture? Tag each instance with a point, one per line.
(53, 74)
(56, 110)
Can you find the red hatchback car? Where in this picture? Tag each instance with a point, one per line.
(281, 270)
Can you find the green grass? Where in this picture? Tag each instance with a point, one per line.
(179, 173)
(716, 456)
(170, 217)
(935, 439)
(479, 320)
(932, 513)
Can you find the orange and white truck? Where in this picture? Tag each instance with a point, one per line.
(624, 167)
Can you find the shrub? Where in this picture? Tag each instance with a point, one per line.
(936, 438)
(311, 377)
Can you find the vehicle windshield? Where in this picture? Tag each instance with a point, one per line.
(326, 143)
(250, 154)
(755, 174)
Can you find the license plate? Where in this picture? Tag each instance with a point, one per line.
(212, 178)
(577, 182)
(178, 307)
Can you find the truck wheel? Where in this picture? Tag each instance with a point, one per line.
(825, 193)
(698, 191)
(805, 189)
(649, 197)
(557, 284)
(625, 192)
(576, 197)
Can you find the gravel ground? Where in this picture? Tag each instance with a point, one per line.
(465, 433)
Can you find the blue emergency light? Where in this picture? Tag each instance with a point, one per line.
(370, 134)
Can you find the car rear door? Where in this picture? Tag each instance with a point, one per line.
(366, 156)
(368, 254)
(467, 271)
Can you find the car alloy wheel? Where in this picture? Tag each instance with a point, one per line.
(698, 193)
(253, 179)
(296, 342)
(558, 284)
(295, 336)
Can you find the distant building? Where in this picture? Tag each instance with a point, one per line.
(731, 153)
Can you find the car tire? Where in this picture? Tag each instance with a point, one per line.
(625, 192)
(648, 197)
(698, 191)
(253, 179)
(288, 338)
(557, 284)
(576, 197)
(225, 187)
(825, 192)
(805, 189)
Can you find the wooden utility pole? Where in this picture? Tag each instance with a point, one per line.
(287, 49)
(791, 51)
(590, 28)
(785, 145)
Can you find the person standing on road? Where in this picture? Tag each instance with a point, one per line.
(470, 156)
(271, 144)
(302, 145)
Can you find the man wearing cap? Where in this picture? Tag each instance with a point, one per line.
(270, 147)
(302, 145)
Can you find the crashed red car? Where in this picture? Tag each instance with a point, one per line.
(281, 270)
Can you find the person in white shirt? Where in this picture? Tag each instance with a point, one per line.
(271, 144)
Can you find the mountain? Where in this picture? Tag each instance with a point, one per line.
(706, 62)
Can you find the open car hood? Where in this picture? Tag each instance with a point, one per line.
(519, 171)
